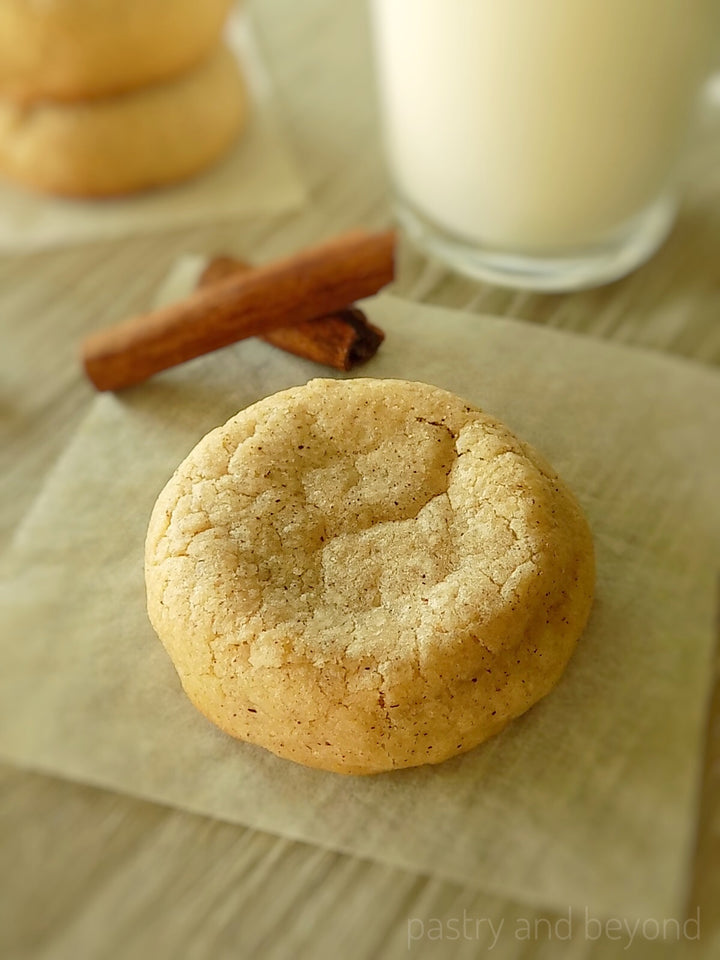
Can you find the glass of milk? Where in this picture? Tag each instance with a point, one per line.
(535, 143)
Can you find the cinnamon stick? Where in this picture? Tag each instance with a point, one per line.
(340, 340)
(310, 284)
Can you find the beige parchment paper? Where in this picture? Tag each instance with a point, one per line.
(257, 177)
(587, 800)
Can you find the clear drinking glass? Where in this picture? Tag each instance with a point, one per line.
(535, 143)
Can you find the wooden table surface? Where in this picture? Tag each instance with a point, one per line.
(87, 873)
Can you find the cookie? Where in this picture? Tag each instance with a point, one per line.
(364, 575)
(76, 49)
(117, 145)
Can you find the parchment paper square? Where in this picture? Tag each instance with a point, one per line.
(587, 800)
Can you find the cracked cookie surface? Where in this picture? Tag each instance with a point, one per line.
(366, 574)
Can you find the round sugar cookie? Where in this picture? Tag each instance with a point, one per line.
(117, 145)
(363, 575)
(77, 49)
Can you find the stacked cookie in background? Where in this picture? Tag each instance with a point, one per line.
(107, 97)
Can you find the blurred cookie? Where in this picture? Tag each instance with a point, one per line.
(117, 145)
(363, 575)
(76, 49)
